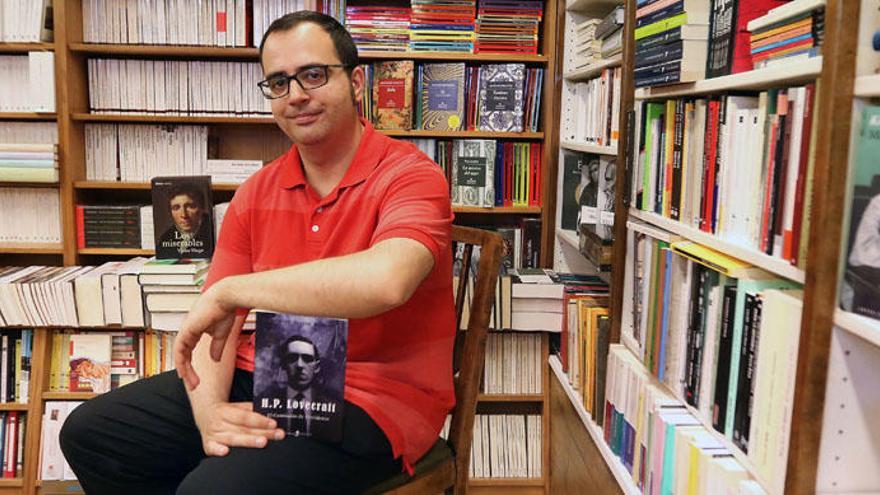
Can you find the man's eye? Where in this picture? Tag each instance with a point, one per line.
(277, 83)
(313, 75)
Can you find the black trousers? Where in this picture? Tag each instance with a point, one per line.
(142, 439)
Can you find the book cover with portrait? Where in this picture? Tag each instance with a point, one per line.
(183, 218)
(299, 373)
(90, 355)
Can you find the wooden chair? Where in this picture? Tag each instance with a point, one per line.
(446, 466)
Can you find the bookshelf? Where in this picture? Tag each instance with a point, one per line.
(589, 148)
(833, 398)
(239, 137)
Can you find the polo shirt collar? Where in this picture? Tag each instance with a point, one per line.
(369, 152)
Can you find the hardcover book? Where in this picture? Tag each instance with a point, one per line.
(182, 217)
(860, 290)
(473, 172)
(90, 362)
(392, 94)
(443, 97)
(501, 97)
(299, 373)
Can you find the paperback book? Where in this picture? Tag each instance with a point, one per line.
(299, 373)
(182, 217)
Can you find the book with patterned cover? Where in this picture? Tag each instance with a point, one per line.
(392, 95)
(473, 172)
(501, 97)
(443, 97)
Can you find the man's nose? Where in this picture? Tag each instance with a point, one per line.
(297, 94)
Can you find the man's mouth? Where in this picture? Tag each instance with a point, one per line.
(304, 118)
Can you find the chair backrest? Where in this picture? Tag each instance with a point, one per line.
(470, 342)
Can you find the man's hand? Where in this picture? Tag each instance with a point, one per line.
(209, 315)
(235, 425)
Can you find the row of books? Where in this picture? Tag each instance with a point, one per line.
(438, 25)
(593, 113)
(513, 364)
(722, 336)
(662, 446)
(696, 155)
(670, 42)
(27, 82)
(28, 163)
(12, 436)
(266, 11)
(583, 346)
(136, 153)
(598, 38)
(505, 445)
(508, 27)
(53, 465)
(168, 22)
(785, 37)
(28, 133)
(30, 215)
(488, 173)
(587, 190)
(26, 21)
(98, 362)
(16, 353)
(452, 96)
(379, 28)
(175, 87)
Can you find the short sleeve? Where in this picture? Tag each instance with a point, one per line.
(232, 255)
(416, 206)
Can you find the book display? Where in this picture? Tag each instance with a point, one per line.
(743, 318)
(173, 94)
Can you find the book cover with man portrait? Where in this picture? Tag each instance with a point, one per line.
(183, 217)
(299, 373)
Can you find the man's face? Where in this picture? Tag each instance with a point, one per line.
(310, 117)
(300, 364)
(186, 213)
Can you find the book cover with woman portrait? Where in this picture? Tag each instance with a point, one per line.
(183, 218)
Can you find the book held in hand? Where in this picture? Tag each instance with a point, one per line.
(299, 373)
(182, 217)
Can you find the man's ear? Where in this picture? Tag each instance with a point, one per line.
(358, 79)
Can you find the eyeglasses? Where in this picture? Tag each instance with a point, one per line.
(293, 357)
(312, 77)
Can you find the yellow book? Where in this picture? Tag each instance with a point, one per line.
(64, 363)
(718, 261)
(54, 369)
(666, 163)
(18, 371)
(661, 25)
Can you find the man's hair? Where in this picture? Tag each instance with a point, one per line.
(189, 189)
(342, 42)
(282, 349)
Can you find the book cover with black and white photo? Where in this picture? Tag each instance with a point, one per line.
(299, 373)
(183, 219)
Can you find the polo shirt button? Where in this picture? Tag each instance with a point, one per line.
(314, 228)
(320, 209)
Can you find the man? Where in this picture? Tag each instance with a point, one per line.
(349, 224)
(190, 234)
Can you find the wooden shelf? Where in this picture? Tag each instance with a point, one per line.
(500, 210)
(623, 477)
(508, 398)
(102, 185)
(45, 117)
(26, 47)
(592, 7)
(11, 482)
(506, 482)
(170, 119)
(173, 51)
(864, 327)
(797, 71)
(30, 248)
(867, 86)
(13, 406)
(68, 395)
(117, 251)
(49, 185)
(593, 70)
(589, 148)
(769, 263)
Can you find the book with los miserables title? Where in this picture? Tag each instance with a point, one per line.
(393, 95)
(442, 98)
(299, 373)
(183, 218)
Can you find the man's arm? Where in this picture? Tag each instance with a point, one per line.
(358, 285)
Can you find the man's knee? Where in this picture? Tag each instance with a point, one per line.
(75, 429)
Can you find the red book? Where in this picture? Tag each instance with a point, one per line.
(802, 175)
(709, 166)
(747, 10)
(80, 227)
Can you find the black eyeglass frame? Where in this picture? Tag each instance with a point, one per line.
(264, 84)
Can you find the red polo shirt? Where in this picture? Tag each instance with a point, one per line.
(400, 362)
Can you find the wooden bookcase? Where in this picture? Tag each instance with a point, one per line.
(811, 417)
(252, 138)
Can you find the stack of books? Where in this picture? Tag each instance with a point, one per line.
(108, 226)
(170, 289)
(670, 42)
(609, 33)
(28, 82)
(379, 28)
(791, 32)
(508, 27)
(587, 48)
(443, 25)
(28, 162)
